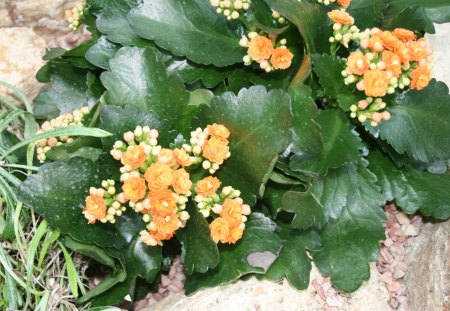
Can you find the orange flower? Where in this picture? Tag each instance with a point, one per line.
(165, 226)
(95, 208)
(181, 182)
(134, 189)
(232, 212)
(234, 235)
(341, 17)
(208, 186)
(357, 63)
(216, 150)
(166, 156)
(181, 157)
(393, 63)
(219, 230)
(389, 40)
(147, 238)
(376, 83)
(135, 156)
(281, 58)
(376, 43)
(418, 51)
(420, 76)
(344, 3)
(159, 176)
(218, 131)
(404, 34)
(162, 202)
(260, 48)
(404, 52)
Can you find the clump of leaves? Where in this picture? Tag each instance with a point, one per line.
(317, 179)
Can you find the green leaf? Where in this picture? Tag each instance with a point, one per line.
(112, 21)
(336, 189)
(58, 192)
(101, 52)
(259, 123)
(341, 145)
(84, 147)
(307, 210)
(328, 68)
(68, 92)
(189, 28)
(190, 72)
(438, 11)
(254, 253)
(310, 18)
(71, 271)
(307, 138)
(352, 241)
(92, 251)
(412, 190)
(144, 82)
(293, 262)
(367, 13)
(199, 252)
(419, 119)
(413, 18)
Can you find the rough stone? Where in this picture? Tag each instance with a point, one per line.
(270, 296)
(21, 52)
(428, 279)
(441, 46)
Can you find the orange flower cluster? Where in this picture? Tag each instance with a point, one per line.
(74, 15)
(156, 183)
(342, 3)
(261, 49)
(230, 8)
(70, 118)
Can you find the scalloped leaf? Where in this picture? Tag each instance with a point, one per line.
(328, 68)
(438, 11)
(254, 253)
(259, 122)
(189, 28)
(101, 52)
(412, 190)
(341, 145)
(367, 13)
(352, 241)
(199, 252)
(307, 210)
(293, 262)
(419, 123)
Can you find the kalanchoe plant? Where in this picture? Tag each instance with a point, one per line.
(323, 110)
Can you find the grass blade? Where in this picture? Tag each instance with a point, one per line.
(71, 271)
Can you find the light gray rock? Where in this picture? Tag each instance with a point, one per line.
(441, 45)
(428, 278)
(270, 296)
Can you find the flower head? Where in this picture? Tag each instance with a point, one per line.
(341, 17)
(344, 3)
(134, 189)
(181, 182)
(208, 186)
(165, 226)
(376, 83)
(218, 131)
(216, 150)
(95, 208)
(232, 212)
(159, 176)
(404, 34)
(220, 229)
(281, 58)
(134, 157)
(181, 157)
(260, 48)
(357, 63)
(162, 202)
(421, 77)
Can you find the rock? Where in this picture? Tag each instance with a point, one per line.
(21, 52)
(441, 45)
(428, 279)
(270, 296)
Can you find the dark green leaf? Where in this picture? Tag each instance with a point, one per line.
(189, 28)
(199, 252)
(413, 18)
(293, 263)
(307, 210)
(310, 18)
(438, 11)
(328, 68)
(419, 121)
(101, 52)
(112, 21)
(254, 253)
(85, 147)
(259, 123)
(412, 190)
(341, 145)
(367, 13)
(352, 241)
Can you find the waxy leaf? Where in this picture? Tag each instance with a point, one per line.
(189, 28)
(420, 123)
(328, 69)
(352, 241)
(412, 190)
(438, 11)
(199, 252)
(293, 262)
(367, 13)
(101, 52)
(341, 145)
(259, 123)
(254, 253)
(307, 209)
